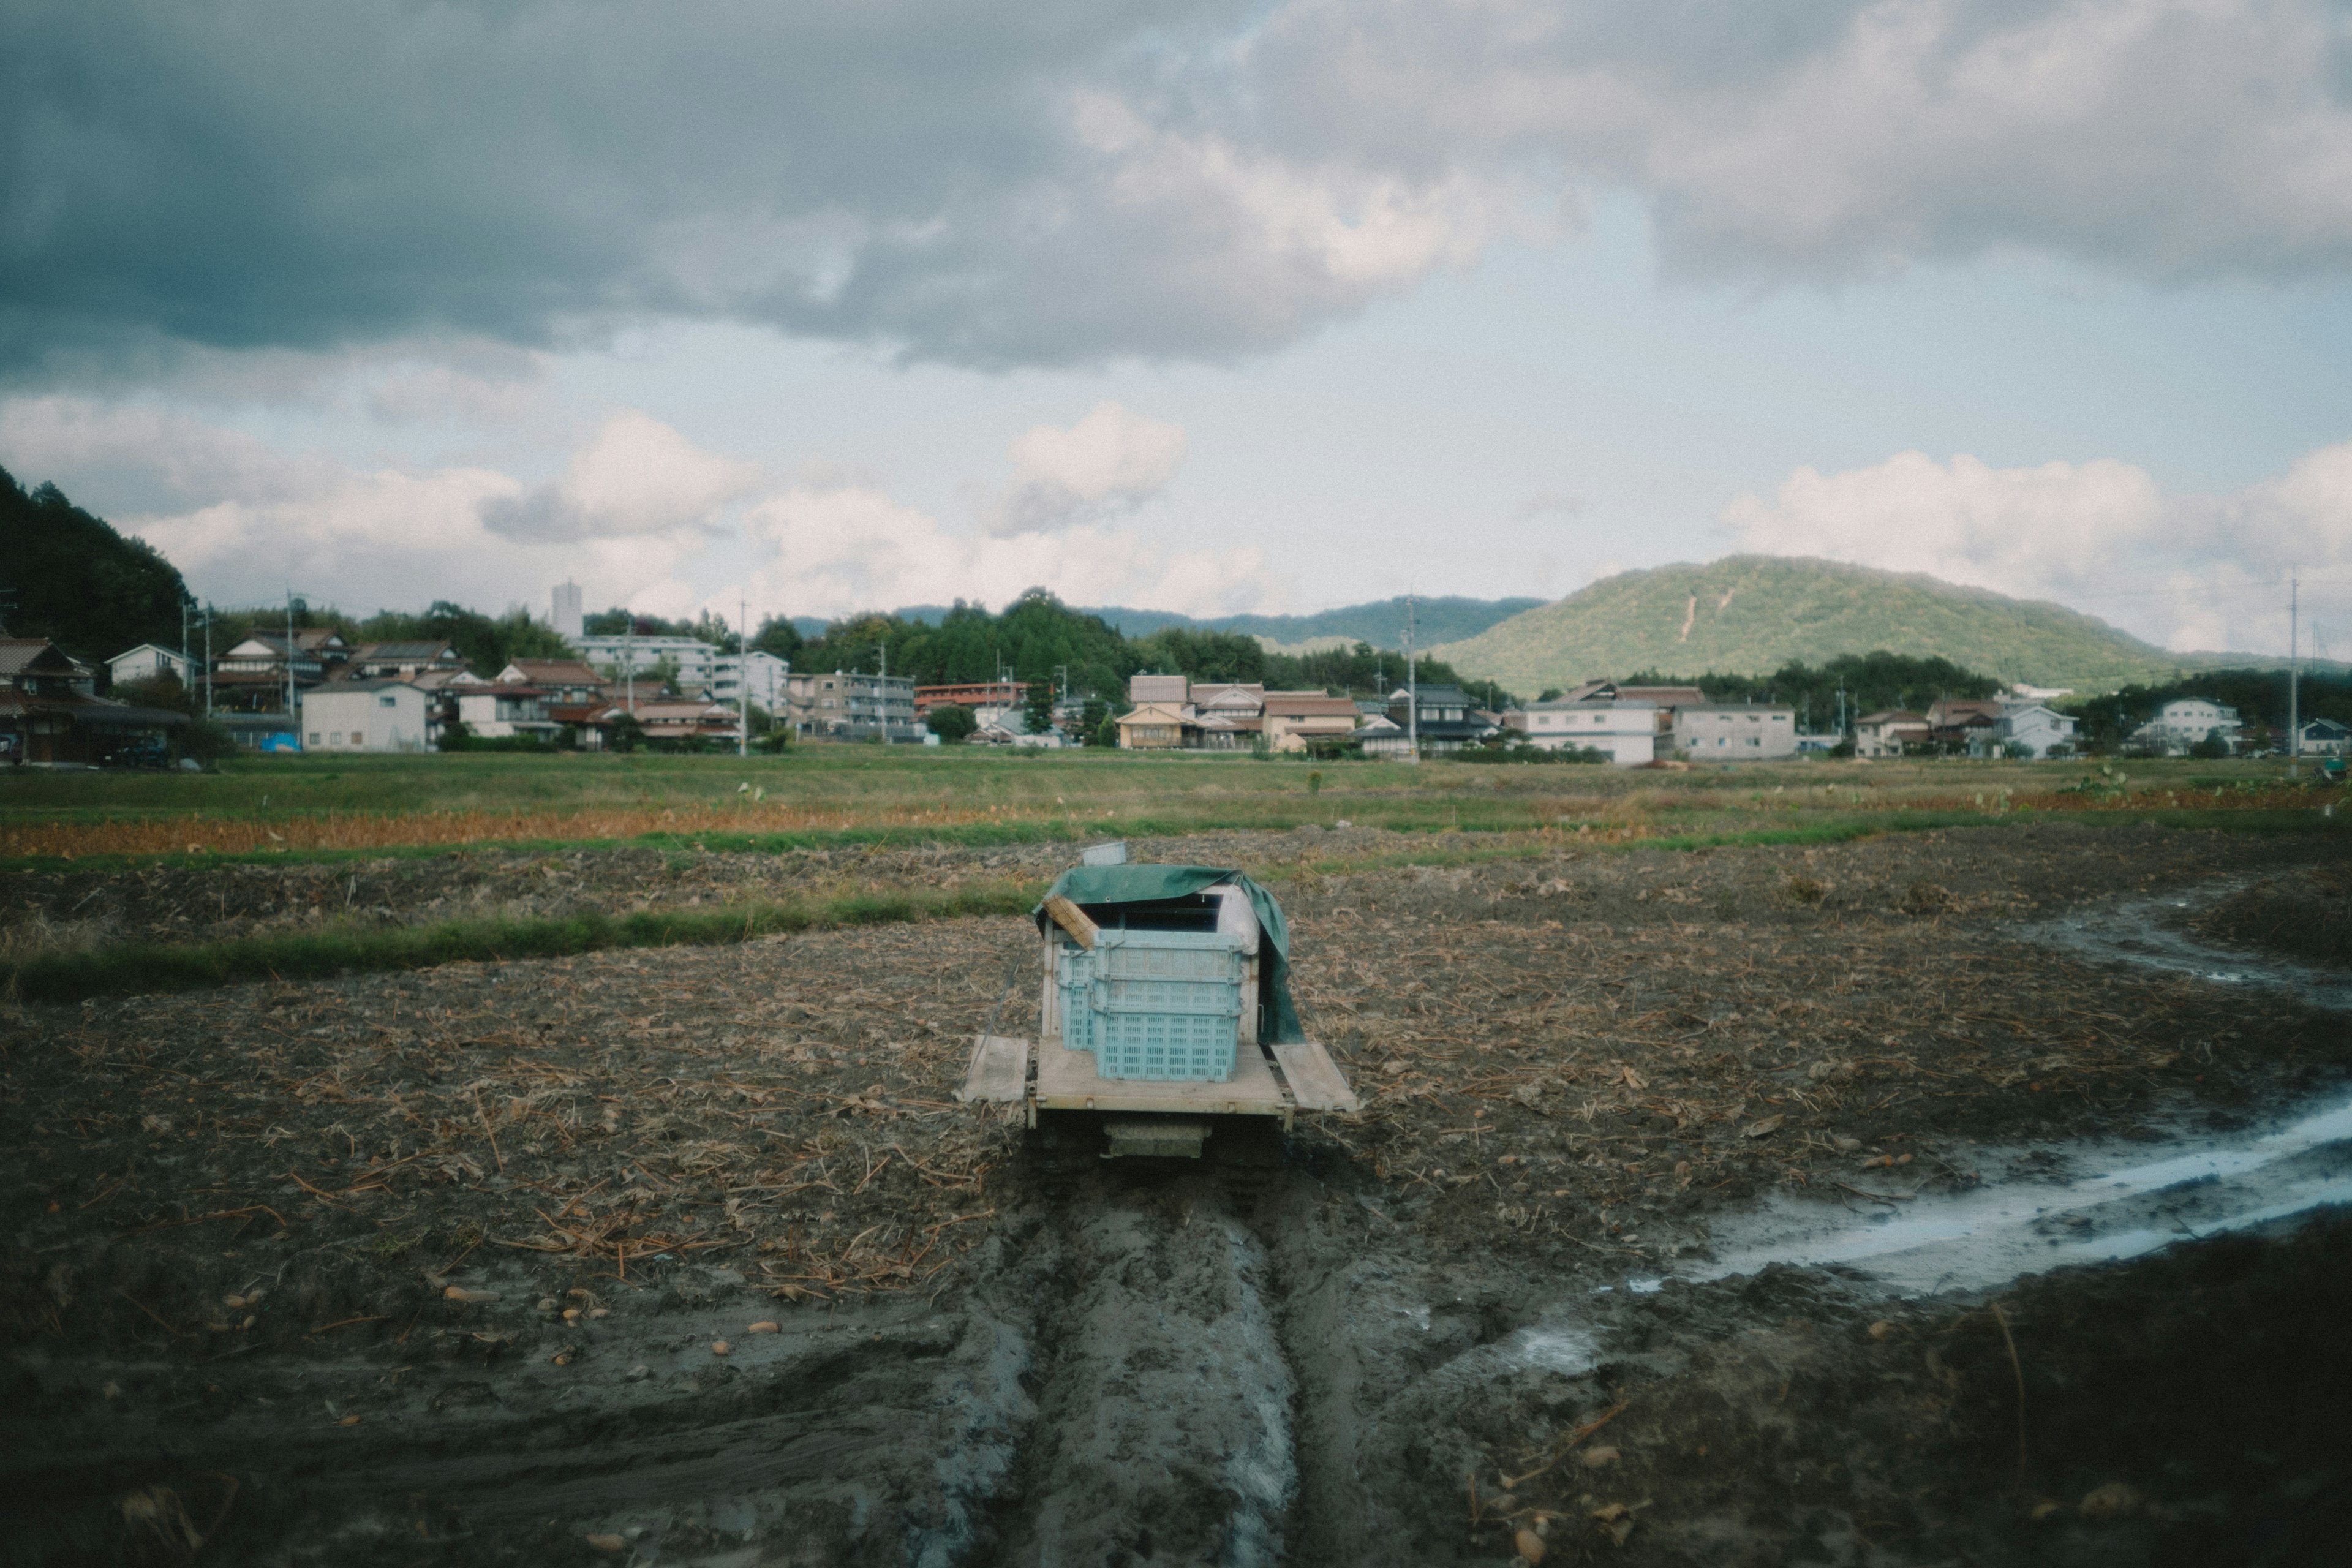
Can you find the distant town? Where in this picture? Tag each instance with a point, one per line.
(593, 685)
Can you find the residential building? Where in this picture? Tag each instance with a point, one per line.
(1158, 727)
(1291, 718)
(389, 715)
(1170, 690)
(1961, 723)
(974, 695)
(767, 674)
(1447, 719)
(695, 660)
(558, 679)
(1890, 732)
(399, 660)
(1734, 732)
(1382, 736)
(149, 661)
(2033, 728)
(1625, 728)
(689, 721)
(2183, 722)
(252, 676)
(495, 709)
(848, 705)
(48, 719)
(2326, 738)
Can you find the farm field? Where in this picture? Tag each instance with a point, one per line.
(666, 1241)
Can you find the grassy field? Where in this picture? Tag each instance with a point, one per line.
(329, 807)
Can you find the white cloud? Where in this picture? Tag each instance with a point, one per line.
(636, 477)
(1109, 462)
(245, 522)
(843, 546)
(2184, 571)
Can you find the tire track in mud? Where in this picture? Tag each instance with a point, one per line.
(1163, 1428)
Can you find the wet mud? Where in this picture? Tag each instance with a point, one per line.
(1468, 1326)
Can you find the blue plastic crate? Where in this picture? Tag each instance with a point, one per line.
(1163, 1007)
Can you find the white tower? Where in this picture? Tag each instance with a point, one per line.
(568, 619)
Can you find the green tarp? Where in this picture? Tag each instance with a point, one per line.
(1085, 885)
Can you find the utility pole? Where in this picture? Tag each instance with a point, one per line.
(2293, 714)
(209, 659)
(1412, 690)
(293, 716)
(629, 663)
(885, 692)
(743, 674)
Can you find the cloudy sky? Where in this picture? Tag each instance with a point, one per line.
(1206, 306)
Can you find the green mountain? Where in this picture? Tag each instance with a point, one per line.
(1753, 613)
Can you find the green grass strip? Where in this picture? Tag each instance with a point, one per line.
(134, 968)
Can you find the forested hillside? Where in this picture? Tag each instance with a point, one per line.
(1752, 614)
(70, 578)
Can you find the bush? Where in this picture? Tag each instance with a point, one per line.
(2212, 749)
(951, 723)
(206, 741)
(454, 736)
(1523, 753)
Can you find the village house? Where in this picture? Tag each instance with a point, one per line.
(1292, 718)
(1890, 732)
(2026, 728)
(399, 660)
(48, 719)
(494, 710)
(1734, 732)
(691, 721)
(1448, 720)
(1626, 730)
(1156, 727)
(1961, 724)
(2183, 722)
(149, 660)
(252, 676)
(368, 716)
(2326, 738)
(972, 694)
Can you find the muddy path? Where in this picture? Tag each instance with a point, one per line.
(685, 1258)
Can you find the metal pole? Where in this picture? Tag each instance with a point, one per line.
(209, 659)
(2293, 714)
(886, 689)
(1412, 690)
(743, 674)
(292, 718)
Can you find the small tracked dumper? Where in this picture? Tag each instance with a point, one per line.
(1166, 1013)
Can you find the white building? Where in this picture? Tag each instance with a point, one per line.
(569, 618)
(496, 712)
(2184, 722)
(367, 716)
(1628, 731)
(147, 660)
(615, 657)
(848, 705)
(1734, 732)
(2038, 731)
(766, 672)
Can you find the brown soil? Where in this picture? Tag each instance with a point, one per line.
(989, 1346)
(2305, 913)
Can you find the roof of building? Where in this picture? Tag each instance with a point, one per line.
(335, 687)
(420, 651)
(555, 671)
(1590, 705)
(20, 654)
(1307, 705)
(1734, 708)
(1892, 716)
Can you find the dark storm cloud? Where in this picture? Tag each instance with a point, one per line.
(1037, 183)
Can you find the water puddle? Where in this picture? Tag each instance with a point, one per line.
(2133, 1203)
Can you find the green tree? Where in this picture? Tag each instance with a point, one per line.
(951, 723)
(1037, 707)
(76, 581)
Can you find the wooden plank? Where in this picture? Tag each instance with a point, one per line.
(999, 1070)
(1315, 1081)
(1067, 1080)
(1072, 918)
